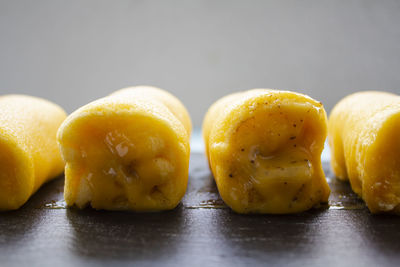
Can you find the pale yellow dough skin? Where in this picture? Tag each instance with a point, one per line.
(264, 149)
(29, 154)
(127, 151)
(364, 139)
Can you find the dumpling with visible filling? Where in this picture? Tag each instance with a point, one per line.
(127, 151)
(264, 149)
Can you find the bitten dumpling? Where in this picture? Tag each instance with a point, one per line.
(29, 154)
(127, 151)
(364, 131)
(264, 149)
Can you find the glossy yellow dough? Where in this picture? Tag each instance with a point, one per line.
(264, 148)
(127, 151)
(29, 155)
(364, 130)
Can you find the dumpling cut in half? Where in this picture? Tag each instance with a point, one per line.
(264, 149)
(127, 151)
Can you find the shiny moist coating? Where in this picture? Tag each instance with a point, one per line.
(29, 154)
(264, 148)
(127, 151)
(365, 147)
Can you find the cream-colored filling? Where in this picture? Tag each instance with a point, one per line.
(122, 168)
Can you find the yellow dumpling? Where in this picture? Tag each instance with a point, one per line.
(127, 151)
(29, 155)
(264, 149)
(364, 138)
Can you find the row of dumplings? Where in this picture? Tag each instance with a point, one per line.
(130, 150)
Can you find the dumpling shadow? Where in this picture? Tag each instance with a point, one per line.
(381, 233)
(105, 235)
(280, 237)
(19, 226)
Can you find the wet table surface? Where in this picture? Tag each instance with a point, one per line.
(200, 231)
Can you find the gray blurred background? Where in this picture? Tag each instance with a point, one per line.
(73, 52)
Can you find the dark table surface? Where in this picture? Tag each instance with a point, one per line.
(200, 231)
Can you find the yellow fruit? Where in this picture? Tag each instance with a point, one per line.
(29, 155)
(364, 138)
(264, 148)
(127, 151)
